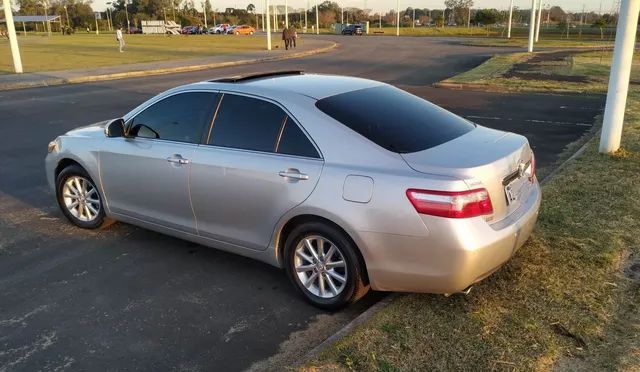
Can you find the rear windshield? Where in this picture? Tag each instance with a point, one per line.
(394, 119)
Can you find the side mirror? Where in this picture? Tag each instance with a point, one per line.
(115, 128)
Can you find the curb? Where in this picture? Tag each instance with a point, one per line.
(160, 71)
(340, 334)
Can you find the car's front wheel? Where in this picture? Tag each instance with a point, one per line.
(323, 264)
(79, 198)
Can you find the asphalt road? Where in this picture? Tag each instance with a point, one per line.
(127, 298)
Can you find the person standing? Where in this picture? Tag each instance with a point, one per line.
(120, 38)
(286, 37)
(293, 35)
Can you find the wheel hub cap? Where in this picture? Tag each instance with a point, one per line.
(81, 198)
(320, 266)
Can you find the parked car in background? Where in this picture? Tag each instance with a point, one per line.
(243, 30)
(221, 28)
(135, 30)
(189, 30)
(346, 183)
(352, 30)
(230, 29)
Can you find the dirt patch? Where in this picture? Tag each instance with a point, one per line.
(537, 68)
(632, 271)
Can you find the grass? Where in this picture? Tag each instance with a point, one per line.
(545, 75)
(555, 41)
(563, 301)
(41, 53)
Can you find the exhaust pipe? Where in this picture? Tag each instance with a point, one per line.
(464, 291)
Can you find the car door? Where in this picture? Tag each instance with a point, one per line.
(256, 164)
(146, 175)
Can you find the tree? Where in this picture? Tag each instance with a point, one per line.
(600, 23)
(460, 10)
(487, 16)
(251, 8)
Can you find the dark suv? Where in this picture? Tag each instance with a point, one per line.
(352, 30)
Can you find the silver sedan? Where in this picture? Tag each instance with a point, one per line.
(346, 183)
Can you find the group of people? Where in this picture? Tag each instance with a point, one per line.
(289, 35)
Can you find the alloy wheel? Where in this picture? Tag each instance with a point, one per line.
(81, 198)
(320, 266)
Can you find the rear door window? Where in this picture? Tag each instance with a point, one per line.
(253, 124)
(394, 119)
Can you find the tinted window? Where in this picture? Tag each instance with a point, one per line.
(395, 119)
(247, 123)
(294, 142)
(181, 117)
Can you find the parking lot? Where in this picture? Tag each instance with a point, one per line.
(127, 298)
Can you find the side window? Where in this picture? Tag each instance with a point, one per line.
(181, 117)
(294, 142)
(247, 123)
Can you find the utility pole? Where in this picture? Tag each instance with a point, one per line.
(286, 14)
(414, 19)
(380, 20)
(538, 20)
(13, 38)
(510, 17)
(341, 14)
(173, 9)
(397, 17)
(126, 12)
(67, 13)
(268, 25)
(317, 21)
(46, 16)
(619, 76)
(275, 18)
(96, 15)
(204, 12)
(532, 25)
(306, 10)
(469, 17)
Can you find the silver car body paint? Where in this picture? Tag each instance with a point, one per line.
(235, 200)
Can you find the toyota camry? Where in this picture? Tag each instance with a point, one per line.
(346, 183)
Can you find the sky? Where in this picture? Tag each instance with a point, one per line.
(386, 5)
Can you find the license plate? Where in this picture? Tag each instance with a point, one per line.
(513, 189)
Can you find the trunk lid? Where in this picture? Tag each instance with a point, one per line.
(486, 158)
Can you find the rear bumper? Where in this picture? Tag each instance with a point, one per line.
(454, 255)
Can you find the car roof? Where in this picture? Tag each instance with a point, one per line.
(316, 86)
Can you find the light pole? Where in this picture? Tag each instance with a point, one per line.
(306, 10)
(414, 19)
(67, 13)
(286, 14)
(268, 26)
(341, 14)
(619, 76)
(204, 12)
(45, 4)
(13, 38)
(317, 21)
(397, 17)
(380, 20)
(263, 13)
(510, 17)
(126, 12)
(532, 25)
(96, 16)
(538, 20)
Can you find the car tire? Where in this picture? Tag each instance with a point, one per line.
(306, 272)
(251, 33)
(74, 185)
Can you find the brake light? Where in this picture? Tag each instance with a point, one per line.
(451, 204)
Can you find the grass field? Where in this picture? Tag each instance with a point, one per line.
(41, 53)
(546, 72)
(568, 300)
(544, 42)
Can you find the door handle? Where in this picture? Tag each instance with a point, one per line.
(177, 159)
(294, 174)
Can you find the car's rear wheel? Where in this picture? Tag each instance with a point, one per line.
(323, 265)
(79, 198)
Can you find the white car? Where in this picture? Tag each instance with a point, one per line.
(219, 28)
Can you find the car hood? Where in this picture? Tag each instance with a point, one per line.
(92, 130)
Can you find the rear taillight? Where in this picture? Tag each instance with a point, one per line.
(451, 204)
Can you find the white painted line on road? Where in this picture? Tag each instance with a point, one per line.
(530, 120)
